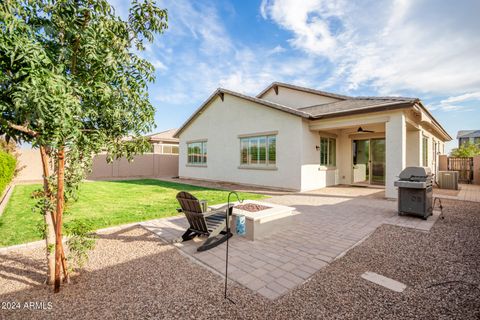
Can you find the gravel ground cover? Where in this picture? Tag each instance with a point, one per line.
(133, 275)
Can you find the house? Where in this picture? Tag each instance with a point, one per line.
(297, 138)
(464, 136)
(164, 142)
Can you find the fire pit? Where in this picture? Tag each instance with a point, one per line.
(261, 218)
(251, 207)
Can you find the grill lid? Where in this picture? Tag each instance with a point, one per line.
(415, 173)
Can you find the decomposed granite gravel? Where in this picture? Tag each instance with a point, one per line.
(132, 275)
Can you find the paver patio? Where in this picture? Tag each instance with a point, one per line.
(330, 222)
(467, 192)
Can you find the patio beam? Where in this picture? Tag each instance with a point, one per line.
(328, 124)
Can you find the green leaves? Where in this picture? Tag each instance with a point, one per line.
(467, 149)
(71, 70)
(71, 77)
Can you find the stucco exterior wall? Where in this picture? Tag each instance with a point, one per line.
(295, 98)
(414, 148)
(433, 157)
(313, 175)
(222, 122)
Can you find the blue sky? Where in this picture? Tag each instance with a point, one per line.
(423, 48)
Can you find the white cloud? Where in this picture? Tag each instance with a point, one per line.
(159, 65)
(454, 103)
(424, 46)
(308, 19)
(464, 97)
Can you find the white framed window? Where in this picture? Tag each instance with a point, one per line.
(197, 153)
(328, 152)
(258, 150)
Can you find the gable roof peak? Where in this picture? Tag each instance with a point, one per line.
(303, 89)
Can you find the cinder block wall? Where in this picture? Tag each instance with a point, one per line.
(143, 166)
(146, 165)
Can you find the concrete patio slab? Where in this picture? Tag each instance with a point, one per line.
(331, 223)
(388, 283)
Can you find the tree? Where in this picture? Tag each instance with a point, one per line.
(73, 84)
(466, 150)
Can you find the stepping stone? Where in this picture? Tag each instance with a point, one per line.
(384, 281)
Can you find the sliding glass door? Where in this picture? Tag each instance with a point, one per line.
(377, 155)
(369, 161)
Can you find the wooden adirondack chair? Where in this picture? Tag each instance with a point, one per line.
(209, 223)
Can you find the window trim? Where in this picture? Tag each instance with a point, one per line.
(258, 166)
(198, 164)
(328, 165)
(425, 143)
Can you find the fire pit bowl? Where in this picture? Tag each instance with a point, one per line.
(261, 218)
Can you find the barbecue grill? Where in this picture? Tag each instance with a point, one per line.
(415, 186)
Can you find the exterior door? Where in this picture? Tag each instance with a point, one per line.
(361, 161)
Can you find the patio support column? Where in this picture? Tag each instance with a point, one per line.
(414, 143)
(395, 153)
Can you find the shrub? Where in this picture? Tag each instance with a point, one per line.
(7, 169)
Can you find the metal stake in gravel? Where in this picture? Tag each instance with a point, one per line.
(228, 212)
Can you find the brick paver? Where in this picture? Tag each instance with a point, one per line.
(331, 221)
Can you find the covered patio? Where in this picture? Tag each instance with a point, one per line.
(372, 149)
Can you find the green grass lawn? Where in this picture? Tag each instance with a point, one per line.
(102, 204)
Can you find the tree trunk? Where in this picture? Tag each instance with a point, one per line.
(49, 218)
(49, 227)
(58, 220)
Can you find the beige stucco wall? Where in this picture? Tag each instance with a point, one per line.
(295, 98)
(414, 148)
(222, 122)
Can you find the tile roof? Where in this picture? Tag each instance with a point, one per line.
(356, 104)
(166, 135)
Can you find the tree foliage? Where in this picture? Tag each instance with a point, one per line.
(467, 149)
(73, 81)
(7, 169)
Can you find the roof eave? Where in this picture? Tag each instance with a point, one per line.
(444, 132)
(378, 108)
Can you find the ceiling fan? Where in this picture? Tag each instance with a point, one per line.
(361, 130)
